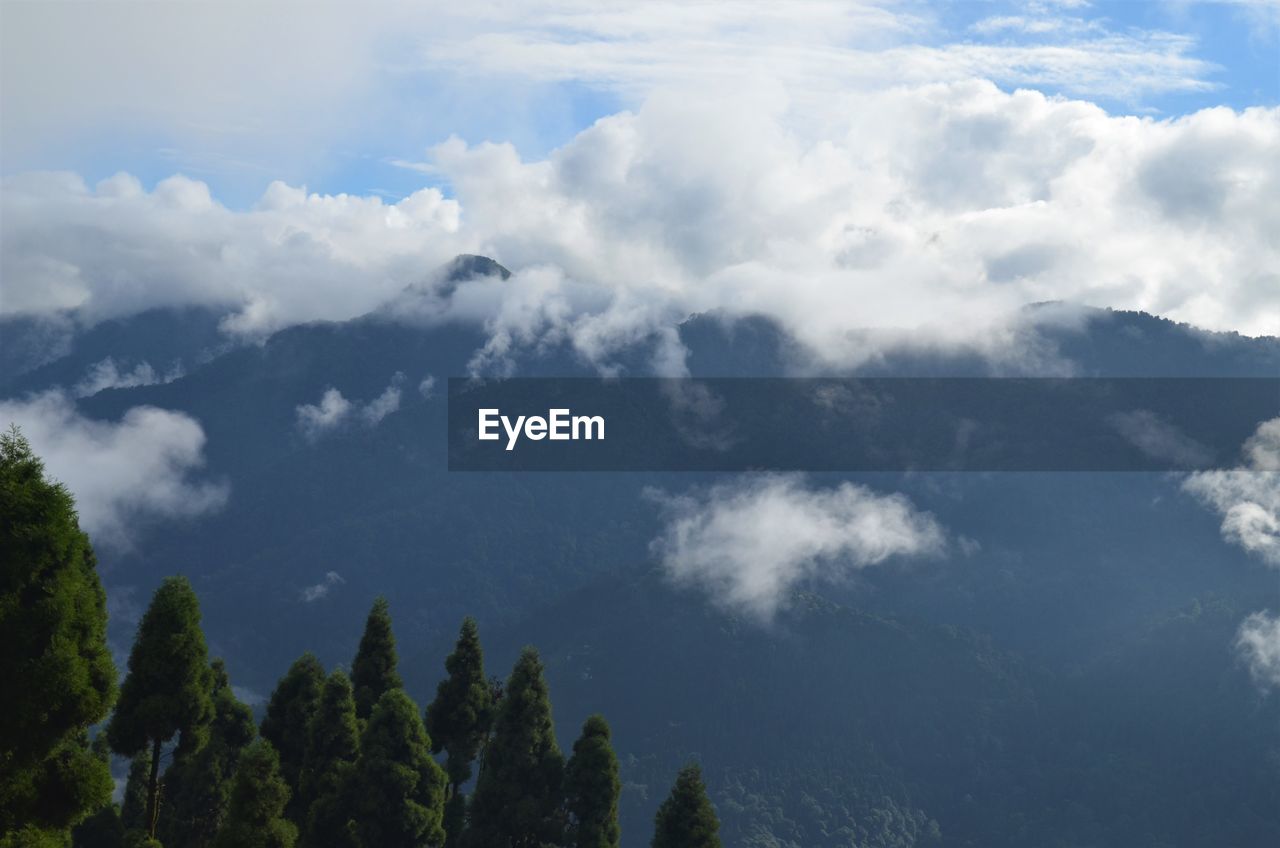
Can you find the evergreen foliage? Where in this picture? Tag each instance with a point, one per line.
(255, 815)
(197, 787)
(592, 787)
(517, 801)
(169, 687)
(373, 672)
(687, 819)
(459, 718)
(333, 745)
(59, 675)
(133, 807)
(287, 723)
(398, 794)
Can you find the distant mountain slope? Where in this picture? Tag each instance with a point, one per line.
(980, 694)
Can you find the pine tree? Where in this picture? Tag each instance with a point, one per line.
(58, 674)
(398, 796)
(255, 815)
(458, 719)
(287, 723)
(374, 670)
(592, 786)
(332, 748)
(168, 690)
(517, 800)
(687, 819)
(197, 787)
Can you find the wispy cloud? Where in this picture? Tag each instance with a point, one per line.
(320, 590)
(334, 411)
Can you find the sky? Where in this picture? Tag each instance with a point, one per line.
(918, 168)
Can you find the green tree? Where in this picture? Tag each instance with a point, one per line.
(687, 819)
(517, 800)
(592, 787)
(168, 690)
(398, 798)
(103, 829)
(255, 816)
(374, 670)
(56, 665)
(458, 720)
(133, 807)
(287, 723)
(197, 787)
(333, 745)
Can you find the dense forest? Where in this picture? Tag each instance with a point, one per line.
(341, 759)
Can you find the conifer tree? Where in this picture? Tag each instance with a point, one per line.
(103, 829)
(255, 815)
(168, 690)
(458, 719)
(133, 807)
(57, 670)
(592, 787)
(517, 800)
(332, 749)
(687, 819)
(374, 670)
(287, 723)
(197, 787)
(398, 792)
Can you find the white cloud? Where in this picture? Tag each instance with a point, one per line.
(108, 374)
(928, 213)
(1248, 498)
(334, 410)
(427, 387)
(146, 465)
(321, 589)
(749, 543)
(1258, 641)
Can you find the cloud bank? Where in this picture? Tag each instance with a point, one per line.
(146, 465)
(930, 213)
(748, 544)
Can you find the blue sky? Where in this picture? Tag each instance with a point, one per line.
(400, 86)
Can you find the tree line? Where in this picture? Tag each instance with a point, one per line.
(340, 760)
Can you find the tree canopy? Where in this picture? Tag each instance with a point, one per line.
(53, 622)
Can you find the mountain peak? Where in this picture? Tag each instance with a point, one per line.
(468, 266)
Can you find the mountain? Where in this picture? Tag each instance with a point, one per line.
(1065, 676)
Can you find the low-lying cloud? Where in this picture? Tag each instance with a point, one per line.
(108, 374)
(334, 411)
(146, 465)
(1258, 641)
(749, 543)
(1248, 498)
(320, 590)
(929, 213)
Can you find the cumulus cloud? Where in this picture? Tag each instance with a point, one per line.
(334, 410)
(108, 374)
(321, 589)
(928, 213)
(146, 465)
(749, 543)
(1258, 641)
(1248, 497)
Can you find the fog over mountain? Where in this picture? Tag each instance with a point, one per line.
(244, 248)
